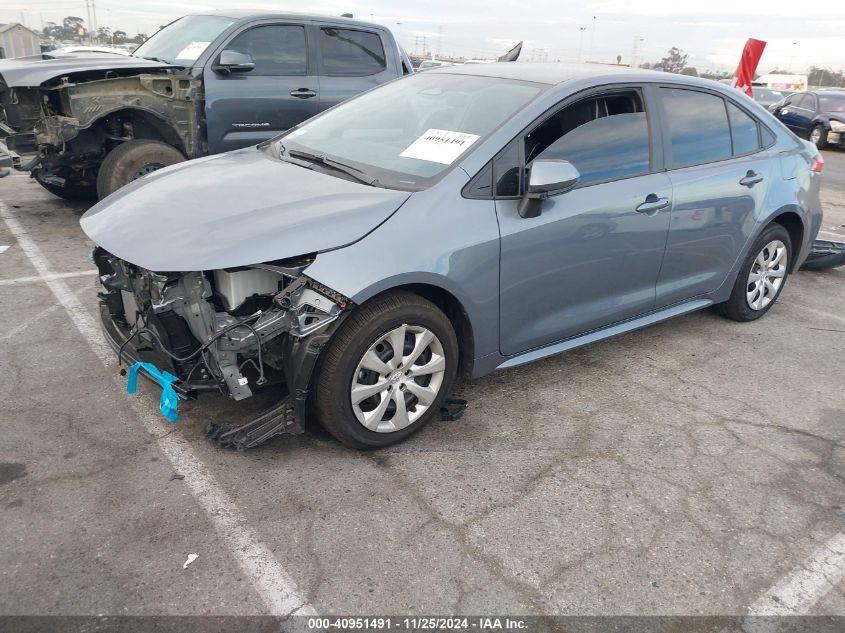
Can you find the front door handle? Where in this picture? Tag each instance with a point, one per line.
(303, 93)
(653, 204)
(751, 179)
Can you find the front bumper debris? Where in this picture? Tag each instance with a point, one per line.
(279, 420)
(198, 333)
(824, 255)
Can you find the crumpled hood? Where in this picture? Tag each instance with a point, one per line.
(236, 209)
(34, 70)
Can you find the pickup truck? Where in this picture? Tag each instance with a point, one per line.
(204, 84)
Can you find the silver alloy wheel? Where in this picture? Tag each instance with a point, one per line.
(398, 378)
(767, 274)
(816, 136)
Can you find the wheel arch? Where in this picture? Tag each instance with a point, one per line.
(790, 220)
(451, 306)
(147, 125)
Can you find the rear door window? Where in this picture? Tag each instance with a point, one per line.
(277, 49)
(697, 126)
(743, 130)
(351, 53)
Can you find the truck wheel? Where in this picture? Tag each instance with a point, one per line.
(131, 160)
(72, 192)
(386, 372)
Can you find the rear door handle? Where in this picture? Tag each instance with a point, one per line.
(303, 93)
(653, 204)
(751, 179)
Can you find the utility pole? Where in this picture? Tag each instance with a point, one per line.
(94, 13)
(581, 41)
(439, 39)
(88, 10)
(592, 37)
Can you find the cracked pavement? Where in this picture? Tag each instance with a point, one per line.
(682, 469)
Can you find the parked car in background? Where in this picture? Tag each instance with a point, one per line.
(470, 218)
(767, 97)
(428, 64)
(818, 115)
(204, 84)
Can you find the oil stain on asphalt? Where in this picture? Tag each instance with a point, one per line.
(9, 471)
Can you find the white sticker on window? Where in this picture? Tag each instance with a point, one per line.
(439, 146)
(192, 50)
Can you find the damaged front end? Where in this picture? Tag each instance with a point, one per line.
(233, 331)
(60, 130)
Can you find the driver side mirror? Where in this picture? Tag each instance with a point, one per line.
(234, 62)
(549, 177)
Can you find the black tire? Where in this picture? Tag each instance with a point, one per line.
(131, 160)
(736, 308)
(70, 191)
(332, 403)
(822, 143)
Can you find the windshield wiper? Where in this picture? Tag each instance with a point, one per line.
(156, 59)
(322, 159)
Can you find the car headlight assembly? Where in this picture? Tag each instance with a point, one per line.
(837, 126)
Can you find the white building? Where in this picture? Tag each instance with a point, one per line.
(16, 40)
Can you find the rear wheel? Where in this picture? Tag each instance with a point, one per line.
(387, 371)
(71, 191)
(762, 277)
(131, 160)
(818, 137)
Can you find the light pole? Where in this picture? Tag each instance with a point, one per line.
(592, 37)
(581, 41)
(792, 58)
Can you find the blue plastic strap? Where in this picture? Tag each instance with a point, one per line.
(169, 401)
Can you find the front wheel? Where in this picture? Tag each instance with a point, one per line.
(818, 137)
(131, 160)
(762, 276)
(386, 372)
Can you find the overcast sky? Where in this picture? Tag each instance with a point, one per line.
(711, 31)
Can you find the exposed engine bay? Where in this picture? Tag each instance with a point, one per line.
(61, 129)
(234, 331)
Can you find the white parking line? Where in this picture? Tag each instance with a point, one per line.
(276, 588)
(42, 278)
(807, 584)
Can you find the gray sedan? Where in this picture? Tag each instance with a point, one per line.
(463, 220)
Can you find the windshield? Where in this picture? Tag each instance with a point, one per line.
(765, 95)
(182, 41)
(831, 103)
(408, 132)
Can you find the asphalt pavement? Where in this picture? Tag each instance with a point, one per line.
(694, 467)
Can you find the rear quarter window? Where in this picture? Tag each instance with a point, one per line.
(351, 53)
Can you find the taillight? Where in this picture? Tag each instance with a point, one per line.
(818, 163)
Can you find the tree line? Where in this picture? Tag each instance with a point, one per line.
(73, 28)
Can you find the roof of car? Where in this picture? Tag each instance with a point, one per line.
(555, 73)
(275, 15)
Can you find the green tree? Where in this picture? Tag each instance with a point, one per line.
(824, 77)
(690, 70)
(71, 25)
(119, 37)
(674, 61)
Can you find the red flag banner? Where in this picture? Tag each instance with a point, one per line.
(744, 74)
